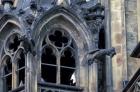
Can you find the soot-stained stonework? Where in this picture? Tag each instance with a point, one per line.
(64, 45)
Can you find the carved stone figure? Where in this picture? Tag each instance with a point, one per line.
(100, 53)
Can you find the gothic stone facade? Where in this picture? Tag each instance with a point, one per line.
(66, 45)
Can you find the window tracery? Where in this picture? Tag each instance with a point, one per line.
(7, 73)
(58, 60)
(20, 67)
(12, 43)
(13, 63)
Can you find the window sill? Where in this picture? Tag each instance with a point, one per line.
(60, 87)
(21, 88)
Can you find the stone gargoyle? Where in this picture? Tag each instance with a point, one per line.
(96, 55)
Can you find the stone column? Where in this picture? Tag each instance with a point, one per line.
(93, 77)
(31, 76)
(108, 63)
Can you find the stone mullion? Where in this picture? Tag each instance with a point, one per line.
(58, 69)
(14, 76)
(39, 69)
(93, 77)
(27, 80)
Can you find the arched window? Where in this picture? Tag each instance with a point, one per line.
(62, 41)
(58, 59)
(20, 67)
(7, 73)
(13, 63)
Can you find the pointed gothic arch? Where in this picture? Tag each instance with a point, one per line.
(6, 73)
(10, 45)
(64, 21)
(64, 14)
(8, 24)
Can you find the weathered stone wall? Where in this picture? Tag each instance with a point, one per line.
(132, 23)
(118, 41)
(124, 34)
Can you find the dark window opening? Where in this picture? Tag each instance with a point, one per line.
(21, 61)
(44, 42)
(65, 40)
(58, 39)
(101, 65)
(48, 56)
(48, 73)
(102, 76)
(48, 66)
(14, 43)
(58, 59)
(68, 59)
(101, 44)
(72, 45)
(21, 69)
(7, 77)
(68, 66)
(8, 66)
(66, 76)
(21, 77)
(58, 44)
(8, 85)
(50, 91)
